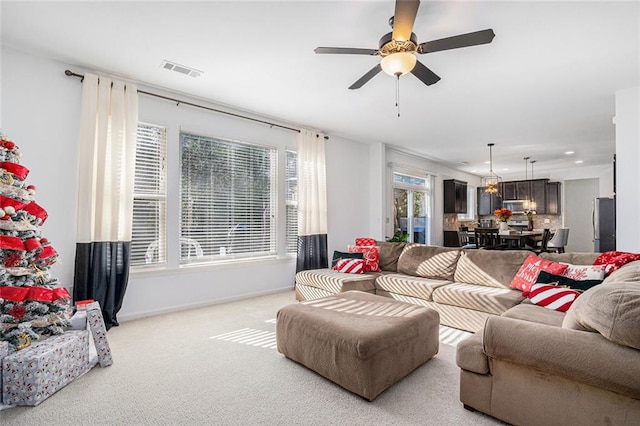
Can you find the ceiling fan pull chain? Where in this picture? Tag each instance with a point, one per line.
(398, 93)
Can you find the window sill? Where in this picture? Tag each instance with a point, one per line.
(142, 272)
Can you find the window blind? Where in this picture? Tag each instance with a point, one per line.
(291, 200)
(148, 244)
(227, 200)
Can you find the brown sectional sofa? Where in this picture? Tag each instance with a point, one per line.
(464, 286)
(534, 366)
(525, 364)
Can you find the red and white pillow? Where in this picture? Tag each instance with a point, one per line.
(585, 272)
(528, 272)
(350, 266)
(370, 255)
(615, 259)
(366, 242)
(552, 296)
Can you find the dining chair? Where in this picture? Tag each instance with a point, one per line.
(559, 240)
(465, 240)
(488, 238)
(544, 242)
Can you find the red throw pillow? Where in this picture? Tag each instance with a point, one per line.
(350, 266)
(528, 273)
(371, 256)
(615, 259)
(552, 296)
(366, 242)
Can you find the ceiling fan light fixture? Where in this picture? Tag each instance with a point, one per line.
(398, 63)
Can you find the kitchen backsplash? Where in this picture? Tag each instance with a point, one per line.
(452, 223)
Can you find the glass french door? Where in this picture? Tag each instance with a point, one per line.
(411, 202)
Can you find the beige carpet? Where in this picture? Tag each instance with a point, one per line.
(219, 365)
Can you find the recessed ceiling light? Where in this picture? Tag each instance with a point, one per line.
(474, 171)
(569, 152)
(505, 169)
(487, 162)
(579, 161)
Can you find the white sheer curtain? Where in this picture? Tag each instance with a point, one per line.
(312, 201)
(108, 132)
(107, 159)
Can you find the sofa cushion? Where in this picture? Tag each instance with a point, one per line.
(494, 268)
(611, 309)
(552, 296)
(480, 298)
(627, 273)
(336, 282)
(408, 285)
(389, 255)
(533, 313)
(425, 261)
(469, 355)
(573, 258)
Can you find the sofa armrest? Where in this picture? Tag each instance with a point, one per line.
(581, 356)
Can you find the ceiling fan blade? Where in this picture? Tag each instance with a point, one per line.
(462, 40)
(346, 51)
(425, 75)
(368, 76)
(403, 19)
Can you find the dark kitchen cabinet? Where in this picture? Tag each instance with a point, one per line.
(488, 203)
(553, 197)
(455, 196)
(509, 191)
(539, 195)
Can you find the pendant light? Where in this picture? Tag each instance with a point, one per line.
(532, 204)
(527, 199)
(492, 183)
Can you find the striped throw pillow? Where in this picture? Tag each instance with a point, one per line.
(552, 296)
(350, 266)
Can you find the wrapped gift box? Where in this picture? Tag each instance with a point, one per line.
(33, 374)
(99, 333)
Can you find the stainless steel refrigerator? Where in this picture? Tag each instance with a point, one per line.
(604, 224)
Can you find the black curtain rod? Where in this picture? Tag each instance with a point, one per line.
(178, 102)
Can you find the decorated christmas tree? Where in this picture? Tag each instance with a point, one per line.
(32, 303)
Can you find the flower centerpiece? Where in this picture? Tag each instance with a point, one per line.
(503, 216)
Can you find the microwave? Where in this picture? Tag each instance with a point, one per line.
(516, 206)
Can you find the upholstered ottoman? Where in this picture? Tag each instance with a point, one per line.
(363, 342)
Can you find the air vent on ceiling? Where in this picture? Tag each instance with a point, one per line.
(172, 66)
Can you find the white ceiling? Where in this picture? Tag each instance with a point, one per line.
(545, 85)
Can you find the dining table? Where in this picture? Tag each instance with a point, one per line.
(519, 239)
(513, 240)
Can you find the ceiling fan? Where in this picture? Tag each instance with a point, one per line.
(398, 48)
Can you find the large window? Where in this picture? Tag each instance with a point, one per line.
(148, 243)
(228, 199)
(291, 188)
(412, 206)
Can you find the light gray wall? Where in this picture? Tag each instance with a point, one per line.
(578, 208)
(41, 113)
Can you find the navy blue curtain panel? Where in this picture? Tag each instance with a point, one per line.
(101, 274)
(312, 252)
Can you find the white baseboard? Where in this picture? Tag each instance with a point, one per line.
(139, 315)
